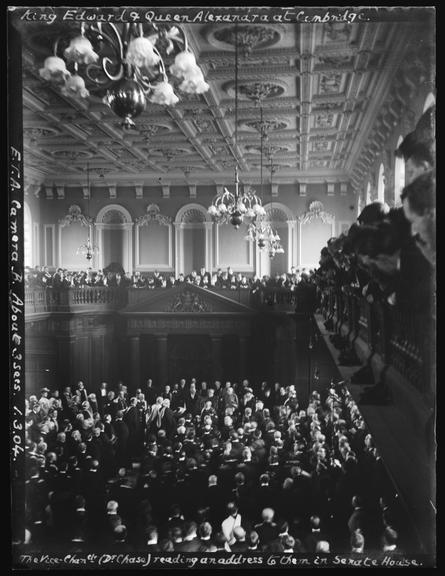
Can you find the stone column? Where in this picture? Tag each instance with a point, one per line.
(242, 357)
(161, 345)
(99, 237)
(65, 360)
(179, 261)
(128, 248)
(292, 244)
(135, 362)
(217, 357)
(208, 246)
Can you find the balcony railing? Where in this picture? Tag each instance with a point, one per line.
(403, 338)
(74, 299)
(103, 298)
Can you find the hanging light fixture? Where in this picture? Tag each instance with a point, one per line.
(88, 249)
(261, 231)
(133, 63)
(236, 207)
(275, 246)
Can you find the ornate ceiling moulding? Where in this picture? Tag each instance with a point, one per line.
(318, 164)
(316, 210)
(153, 215)
(320, 146)
(75, 215)
(224, 58)
(336, 32)
(38, 132)
(170, 153)
(250, 37)
(324, 119)
(71, 155)
(147, 129)
(203, 124)
(189, 169)
(100, 172)
(337, 60)
(330, 83)
(269, 125)
(256, 91)
(268, 150)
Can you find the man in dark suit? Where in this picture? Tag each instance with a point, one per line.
(192, 400)
(151, 533)
(110, 404)
(316, 535)
(267, 529)
(264, 494)
(242, 494)
(79, 523)
(120, 544)
(82, 391)
(121, 401)
(94, 492)
(240, 545)
(357, 520)
(131, 419)
(102, 397)
(122, 435)
(213, 498)
(150, 392)
(204, 277)
(205, 538)
(168, 421)
(190, 542)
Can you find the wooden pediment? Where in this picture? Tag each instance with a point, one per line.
(187, 299)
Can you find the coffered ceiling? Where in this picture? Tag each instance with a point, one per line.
(330, 94)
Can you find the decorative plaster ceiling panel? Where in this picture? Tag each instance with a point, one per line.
(322, 87)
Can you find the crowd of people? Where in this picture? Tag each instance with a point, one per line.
(41, 277)
(205, 468)
(390, 253)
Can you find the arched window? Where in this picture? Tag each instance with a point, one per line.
(399, 175)
(27, 236)
(429, 101)
(381, 184)
(114, 229)
(368, 194)
(282, 221)
(193, 239)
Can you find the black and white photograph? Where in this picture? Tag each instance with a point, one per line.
(222, 287)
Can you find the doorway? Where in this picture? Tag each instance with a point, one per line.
(189, 356)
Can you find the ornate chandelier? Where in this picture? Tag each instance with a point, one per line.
(88, 249)
(236, 207)
(261, 231)
(132, 63)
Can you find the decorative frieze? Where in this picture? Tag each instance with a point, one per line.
(153, 214)
(75, 215)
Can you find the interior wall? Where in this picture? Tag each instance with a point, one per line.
(314, 236)
(71, 237)
(113, 246)
(233, 247)
(153, 246)
(193, 249)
